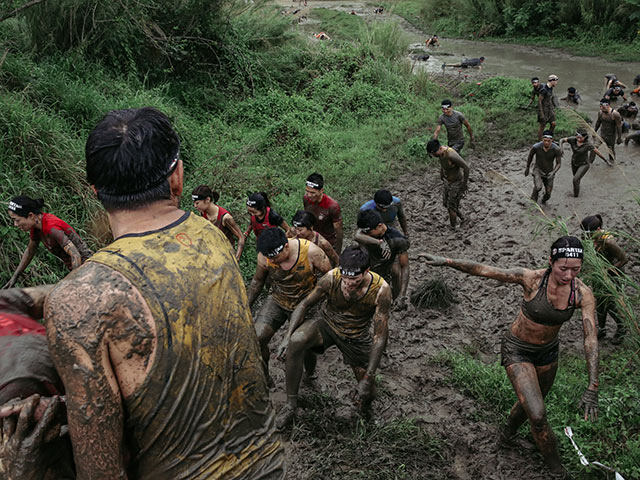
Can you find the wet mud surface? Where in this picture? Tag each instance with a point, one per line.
(500, 230)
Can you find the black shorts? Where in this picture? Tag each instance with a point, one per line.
(514, 350)
(354, 352)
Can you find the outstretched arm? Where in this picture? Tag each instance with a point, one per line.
(511, 275)
(27, 256)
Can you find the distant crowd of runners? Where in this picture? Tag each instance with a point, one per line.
(150, 363)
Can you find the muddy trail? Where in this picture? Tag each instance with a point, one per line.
(501, 229)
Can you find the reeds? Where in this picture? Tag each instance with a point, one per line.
(433, 293)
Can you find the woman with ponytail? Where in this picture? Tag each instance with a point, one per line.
(262, 215)
(530, 345)
(205, 201)
(58, 237)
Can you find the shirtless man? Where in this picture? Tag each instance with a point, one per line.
(292, 265)
(610, 124)
(387, 249)
(303, 226)
(546, 106)
(152, 336)
(390, 209)
(535, 90)
(325, 209)
(455, 184)
(355, 299)
(453, 122)
(544, 171)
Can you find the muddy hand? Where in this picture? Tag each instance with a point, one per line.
(21, 451)
(434, 260)
(363, 391)
(281, 352)
(589, 401)
(400, 303)
(385, 249)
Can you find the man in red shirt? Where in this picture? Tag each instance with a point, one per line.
(325, 209)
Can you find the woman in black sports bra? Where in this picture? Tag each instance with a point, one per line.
(530, 345)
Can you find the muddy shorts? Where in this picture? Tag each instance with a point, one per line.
(541, 179)
(547, 117)
(355, 353)
(272, 314)
(514, 350)
(457, 146)
(452, 195)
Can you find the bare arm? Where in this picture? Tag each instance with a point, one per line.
(586, 302)
(598, 123)
(27, 256)
(318, 259)
(618, 119)
(78, 327)
(466, 124)
(258, 280)
(380, 329)
(462, 164)
(231, 224)
(558, 162)
(318, 293)
(339, 234)
(529, 160)
(329, 251)
(67, 245)
(436, 132)
(619, 255)
(597, 152)
(511, 275)
(364, 239)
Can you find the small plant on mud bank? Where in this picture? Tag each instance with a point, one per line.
(334, 447)
(433, 293)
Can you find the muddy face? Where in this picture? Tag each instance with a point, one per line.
(351, 284)
(565, 270)
(303, 232)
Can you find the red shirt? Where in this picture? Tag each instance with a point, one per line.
(271, 219)
(52, 226)
(327, 212)
(218, 223)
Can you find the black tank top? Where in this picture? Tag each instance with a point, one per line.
(540, 311)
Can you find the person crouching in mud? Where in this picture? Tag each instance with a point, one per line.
(530, 346)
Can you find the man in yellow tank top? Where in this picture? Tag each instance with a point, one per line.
(152, 336)
(355, 299)
(292, 265)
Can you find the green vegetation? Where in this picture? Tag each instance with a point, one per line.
(355, 449)
(613, 440)
(610, 28)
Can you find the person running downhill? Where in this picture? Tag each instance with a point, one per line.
(455, 184)
(610, 124)
(583, 155)
(453, 122)
(547, 107)
(262, 215)
(292, 265)
(356, 299)
(325, 209)
(58, 237)
(390, 209)
(205, 201)
(530, 345)
(543, 173)
(303, 225)
(607, 248)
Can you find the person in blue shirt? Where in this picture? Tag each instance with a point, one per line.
(389, 208)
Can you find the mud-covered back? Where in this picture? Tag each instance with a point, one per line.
(203, 411)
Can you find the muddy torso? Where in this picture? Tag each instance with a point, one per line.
(452, 172)
(327, 212)
(545, 159)
(546, 94)
(453, 124)
(608, 123)
(203, 409)
(290, 286)
(580, 152)
(351, 318)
